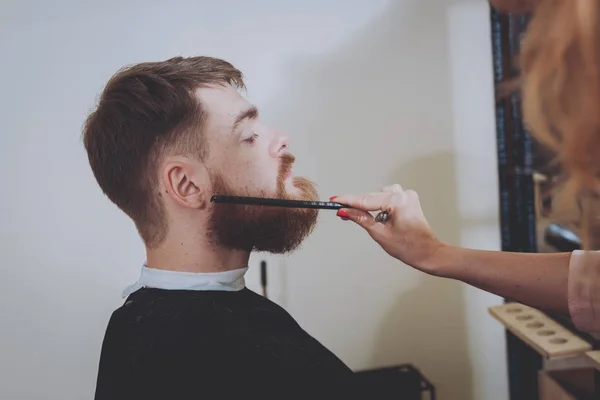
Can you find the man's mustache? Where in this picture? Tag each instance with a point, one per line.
(287, 160)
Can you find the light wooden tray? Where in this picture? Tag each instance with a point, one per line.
(595, 356)
(539, 331)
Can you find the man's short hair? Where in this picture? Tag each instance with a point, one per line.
(145, 111)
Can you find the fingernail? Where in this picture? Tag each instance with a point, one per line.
(343, 214)
(332, 198)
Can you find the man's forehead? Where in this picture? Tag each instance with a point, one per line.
(222, 101)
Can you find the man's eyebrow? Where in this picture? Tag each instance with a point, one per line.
(250, 113)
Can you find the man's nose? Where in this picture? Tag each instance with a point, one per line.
(280, 145)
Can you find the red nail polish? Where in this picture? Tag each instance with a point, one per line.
(343, 214)
(332, 198)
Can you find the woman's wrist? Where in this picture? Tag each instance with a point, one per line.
(443, 261)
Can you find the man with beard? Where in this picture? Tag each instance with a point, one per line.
(164, 138)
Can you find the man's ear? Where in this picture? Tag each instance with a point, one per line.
(185, 181)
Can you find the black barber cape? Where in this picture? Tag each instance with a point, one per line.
(183, 344)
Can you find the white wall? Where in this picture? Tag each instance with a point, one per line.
(372, 92)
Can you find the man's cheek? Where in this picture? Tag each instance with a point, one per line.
(252, 178)
(265, 180)
(258, 187)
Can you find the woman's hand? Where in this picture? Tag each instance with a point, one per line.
(406, 235)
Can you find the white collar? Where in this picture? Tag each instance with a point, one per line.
(174, 280)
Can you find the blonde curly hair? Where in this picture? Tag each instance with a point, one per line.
(559, 82)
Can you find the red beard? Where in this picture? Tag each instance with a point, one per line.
(262, 228)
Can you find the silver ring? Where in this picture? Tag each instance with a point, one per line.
(382, 217)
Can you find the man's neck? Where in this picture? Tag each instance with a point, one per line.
(198, 255)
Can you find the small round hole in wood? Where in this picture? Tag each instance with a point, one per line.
(558, 340)
(513, 310)
(534, 325)
(525, 317)
(546, 332)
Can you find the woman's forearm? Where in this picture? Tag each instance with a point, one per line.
(539, 280)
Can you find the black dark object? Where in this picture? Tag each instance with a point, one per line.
(263, 277)
(400, 382)
(213, 344)
(259, 201)
(561, 238)
(515, 172)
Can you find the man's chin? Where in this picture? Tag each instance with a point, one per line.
(298, 188)
(293, 192)
(271, 229)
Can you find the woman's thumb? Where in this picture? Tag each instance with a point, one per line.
(360, 217)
